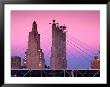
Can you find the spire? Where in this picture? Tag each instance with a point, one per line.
(34, 27)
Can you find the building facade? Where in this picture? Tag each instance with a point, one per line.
(34, 58)
(58, 49)
(15, 62)
(95, 64)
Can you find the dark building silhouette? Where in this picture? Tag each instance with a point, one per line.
(58, 49)
(95, 64)
(15, 62)
(34, 57)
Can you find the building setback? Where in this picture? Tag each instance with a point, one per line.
(34, 58)
(58, 49)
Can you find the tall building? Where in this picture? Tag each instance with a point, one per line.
(95, 64)
(34, 58)
(58, 49)
(15, 62)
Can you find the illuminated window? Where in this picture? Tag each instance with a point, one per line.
(38, 50)
(24, 62)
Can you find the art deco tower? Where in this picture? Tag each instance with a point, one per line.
(58, 49)
(34, 55)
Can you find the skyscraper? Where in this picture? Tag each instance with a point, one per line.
(58, 49)
(34, 55)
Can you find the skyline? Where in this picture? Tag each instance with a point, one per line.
(89, 21)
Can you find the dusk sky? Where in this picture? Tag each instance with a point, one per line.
(83, 34)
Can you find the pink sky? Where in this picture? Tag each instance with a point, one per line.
(83, 25)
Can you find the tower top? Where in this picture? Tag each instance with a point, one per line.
(34, 27)
(34, 22)
(53, 21)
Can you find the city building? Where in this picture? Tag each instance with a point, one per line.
(58, 49)
(24, 61)
(95, 64)
(34, 57)
(15, 62)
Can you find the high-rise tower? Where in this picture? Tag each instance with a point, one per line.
(58, 49)
(34, 55)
